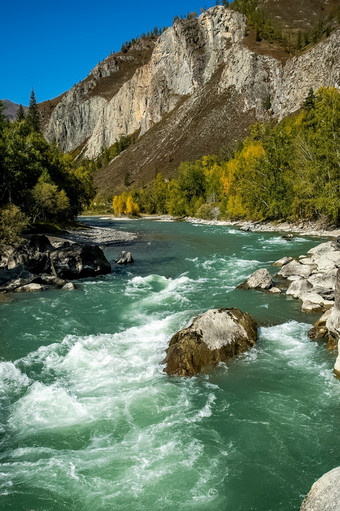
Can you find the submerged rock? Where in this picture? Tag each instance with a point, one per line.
(213, 337)
(260, 279)
(324, 494)
(69, 286)
(124, 258)
(29, 288)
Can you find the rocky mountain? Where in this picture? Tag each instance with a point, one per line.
(194, 89)
(11, 108)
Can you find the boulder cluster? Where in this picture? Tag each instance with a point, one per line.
(37, 264)
(315, 280)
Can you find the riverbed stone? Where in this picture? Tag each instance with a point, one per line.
(282, 261)
(29, 288)
(124, 258)
(296, 269)
(299, 287)
(324, 494)
(333, 321)
(261, 279)
(275, 290)
(213, 337)
(69, 286)
(79, 261)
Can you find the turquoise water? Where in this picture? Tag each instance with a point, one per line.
(90, 422)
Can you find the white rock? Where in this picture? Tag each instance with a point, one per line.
(324, 494)
(296, 269)
(69, 286)
(28, 288)
(282, 261)
(298, 288)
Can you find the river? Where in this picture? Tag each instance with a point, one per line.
(89, 421)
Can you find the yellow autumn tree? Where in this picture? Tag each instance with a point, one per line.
(119, 204)
(131, 207)
(240, 182)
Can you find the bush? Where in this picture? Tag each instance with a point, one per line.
(206, 212)
(12, 224)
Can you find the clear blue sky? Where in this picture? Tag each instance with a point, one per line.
(50, 45)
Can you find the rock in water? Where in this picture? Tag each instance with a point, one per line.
(76, 261)
(260, 279)
(324, 494)
(124, 258)
(214, 336)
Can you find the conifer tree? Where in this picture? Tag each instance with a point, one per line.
(20, 113)
(33, 116)
(309, 102)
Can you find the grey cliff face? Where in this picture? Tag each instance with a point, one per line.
(184, 59)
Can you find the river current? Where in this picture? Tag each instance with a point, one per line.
(90, 422)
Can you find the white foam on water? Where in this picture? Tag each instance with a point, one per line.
(46, 408)
(155, 290)
(291, 346)
(12, 380)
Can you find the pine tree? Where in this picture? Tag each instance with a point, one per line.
(20, 113)
(33, 116)
(309, 102)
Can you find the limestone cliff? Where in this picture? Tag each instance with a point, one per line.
(198, 69)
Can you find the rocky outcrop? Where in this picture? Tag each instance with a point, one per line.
(324, 494)
(36, 264)
(213, 337)
(192, 63)
(261, 279)
(77, 261)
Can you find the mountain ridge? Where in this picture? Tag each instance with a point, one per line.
(192, 90)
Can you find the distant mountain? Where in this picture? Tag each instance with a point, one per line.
(11, 108)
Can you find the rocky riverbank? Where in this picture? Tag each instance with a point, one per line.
(319, 229)
(40, 262)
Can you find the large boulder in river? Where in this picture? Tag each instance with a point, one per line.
(213, 337)
(260, 279)
(324, 494)
(79, 261)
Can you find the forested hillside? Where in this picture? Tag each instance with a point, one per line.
(289, 170)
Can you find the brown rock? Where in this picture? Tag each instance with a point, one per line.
(213, 337)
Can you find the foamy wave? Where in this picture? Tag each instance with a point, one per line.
(12, 380)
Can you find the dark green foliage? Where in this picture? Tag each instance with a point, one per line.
(309, 102)
(20, 113)
(108, 153)
(33, 116)
(36, 178)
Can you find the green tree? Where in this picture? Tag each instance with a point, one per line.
(20, 113)
(33, 116)
(309, 102)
